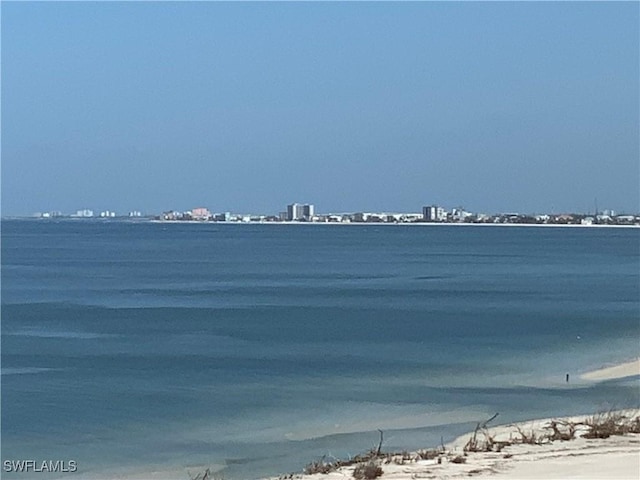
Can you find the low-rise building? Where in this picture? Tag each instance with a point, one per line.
(85, 213)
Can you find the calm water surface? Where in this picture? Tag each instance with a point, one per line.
(138, 347)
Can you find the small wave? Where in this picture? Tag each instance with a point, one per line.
(24, 370)
(54, 334)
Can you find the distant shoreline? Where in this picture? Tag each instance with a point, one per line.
(392, 224)
(369, 224)
(357, 224)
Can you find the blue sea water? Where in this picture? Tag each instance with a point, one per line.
(135, 347)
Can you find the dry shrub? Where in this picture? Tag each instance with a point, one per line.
(605, 424)
(428, 454)
(530, 438)
(476, 445)
(367, 471)
(324, 467)
(319, 466)
(634, 426)
(398, 458)
(459, 459)
(567, 432)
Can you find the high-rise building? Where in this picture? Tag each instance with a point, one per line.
(433, 213)
(298, 211)
(307, 211)
(291, 211)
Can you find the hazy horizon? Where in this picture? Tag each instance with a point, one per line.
(247, 107)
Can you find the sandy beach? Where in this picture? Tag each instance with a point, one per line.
(528, 450)
(616, 457)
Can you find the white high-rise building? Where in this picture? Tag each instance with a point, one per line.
(307, 211)
(298, 211)
(433, 213)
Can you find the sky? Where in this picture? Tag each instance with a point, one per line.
(247, 107)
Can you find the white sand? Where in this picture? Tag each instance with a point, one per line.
(623, 370)
(617, 457)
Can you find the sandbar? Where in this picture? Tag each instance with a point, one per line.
(627, 369)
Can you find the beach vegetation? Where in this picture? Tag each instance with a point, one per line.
(606, 424)
(363, 462)
(429, 454)
(476, 444)
(319, 466)
(369, 465)
(600, 425)
(561, 430)
(531, 438)
(367, 471)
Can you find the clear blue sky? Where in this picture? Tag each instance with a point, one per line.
(526, 107)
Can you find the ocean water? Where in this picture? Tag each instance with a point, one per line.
(135, 347)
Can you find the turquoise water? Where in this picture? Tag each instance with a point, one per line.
(137, 347)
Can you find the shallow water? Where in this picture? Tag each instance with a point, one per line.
(134, 347)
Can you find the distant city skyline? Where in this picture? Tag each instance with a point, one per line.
(527, 107)
(307, 211)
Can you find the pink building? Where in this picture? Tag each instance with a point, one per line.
(200, 213)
